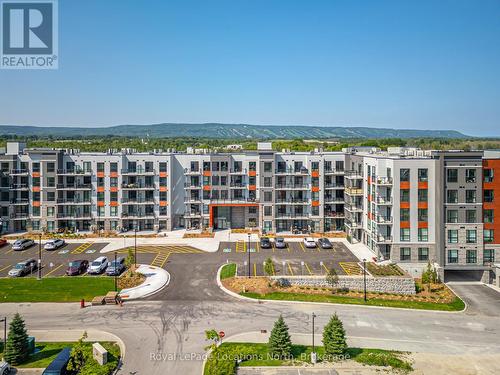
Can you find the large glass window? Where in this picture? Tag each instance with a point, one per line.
(423, 254)
(471, 256)
(422, 214)
(423, 234)
(452, 175)
(470, 175)
(488, 196)
(404, 214)
(404, 175)
(405, 235)
(488, 216)
(452, 256)
(470, 196)
(488, 175)
(452, 216)
(452, 196)
(488, 235)
(405, 253)
(452, 236)
(471, 236)
(489, 255)
(423, 175)
(470, 216)
(405, 195)
(423, 195)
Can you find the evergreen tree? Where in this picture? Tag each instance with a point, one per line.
(334, 340)
(16, 349)
(332, 278)
(280, 344)
(77, 355)
(269, 266)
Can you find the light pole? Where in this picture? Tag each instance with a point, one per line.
(313, 353)
(135, 246)
(4, 320)
(364, 277)
(249, 255)
(116, 273)
(39, 256)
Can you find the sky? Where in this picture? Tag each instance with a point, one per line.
(421, 64)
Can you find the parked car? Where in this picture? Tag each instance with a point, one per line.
(3, 242)
(59, 364)
(5, 368)
(265, 243)
(23, 268)
(54, 244)
(280, 243)
(325, 243)
(98, 266)
(116, 268)
(77, 267)
(22, 244)
(309, 242)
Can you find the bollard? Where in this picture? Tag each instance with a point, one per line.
(82, 303)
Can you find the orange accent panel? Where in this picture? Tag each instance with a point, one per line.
(404, 204)
(315, 189)
(423, 224)
(36, 203)
(315, 173)
(423, 185)
(163, 174)
(252, 187)
(211, 206)
(35, 174)
(404, 224)
(494, 165)
(100, 203)
(163, 203)
(36, 188)
(113, 204)
(315, 203)
(100, 189)
(252, 173)
(207, 173)
(369, 198)
(113, 189)
(164, 188)
(369, 180)
(404, 185)
(100, 174)
(369, 215)
(423, 205)
(113, 174)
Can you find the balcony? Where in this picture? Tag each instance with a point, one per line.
(353, 208)
(192, 199)
(353, 175)
(192, 172)
(19, 172)
(292, 215)
(73, 215)
(383, 239)
(335, 214)
(233, 200)
(192, 214)
(334, 171)
(242, 171)
(292, 171)
(237, 185)
(76, 171)
(383, 200)
(138, 171)
(135, 186)
(333, 199)
(19, 187)
(292, 186)
(73, 201)
(189, 185)
(138, 201)
(334, 186)
(74, 186)
(383, 220)
(138, 215)
(19, 201)
(292, 200)
(383, 181)
(19, 215)
(354, 191)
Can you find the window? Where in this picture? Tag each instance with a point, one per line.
(51, 196)
(422, 214)
(35, 224)
(452, 175)
(452, 196)
(470, 196)
(51, 181)
(405, 235)
(488, 196)
(471, 256)
(51, 167)
(488, 216)
(488, 235)
(423, 195)
(268, 210)
(50, 226)
(113, 211)
(488, 175)
(100, 167)
(50, 211)
(489, 256)
(452, 236)
(470, 175)
(268, 196)
(87, 166)
(404, 175)
(315, 166)
(404, 214)
(405, 253)
(423, 254)
(470, 216)
(268, 181)
(423, 234)
(36, 167)
(471, 236)
(452, 216)
(101, 211)
(452, 256)
(268, 167)
(113, 167)
(36, 211)
(405, 195)
(423, 175)
(252, 210)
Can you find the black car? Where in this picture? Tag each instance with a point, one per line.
(77, 267)
(59, 364)
(325, 243)
(265, 243)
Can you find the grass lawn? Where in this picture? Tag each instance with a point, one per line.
(221, 360)
(229, 270)
(54, 289)
(47, 351)
(456, 305)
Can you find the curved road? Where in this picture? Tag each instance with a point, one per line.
(172, 329)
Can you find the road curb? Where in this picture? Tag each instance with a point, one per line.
(125, 297)
(236, 295)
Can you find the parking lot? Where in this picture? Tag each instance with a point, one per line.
(294, 260)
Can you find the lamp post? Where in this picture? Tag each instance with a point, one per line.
(116, 273)
(249, 255)
(39, 256)
(313, 353)
(135, 246)
(4, 320)
(364, 276)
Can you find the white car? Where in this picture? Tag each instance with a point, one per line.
(22, 244)
(309, 242)
(98, 266)
(5, 368)
(54, 244)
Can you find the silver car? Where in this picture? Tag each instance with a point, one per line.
(22, 244)
(54, 244)
(23, 268)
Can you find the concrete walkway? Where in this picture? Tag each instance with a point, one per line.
(156, 279)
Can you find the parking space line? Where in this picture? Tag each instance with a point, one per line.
(9, 251)
(302, 247)
(325, 267)
(80, 249)
(53, 270)
(3, 269)
(308, 269)
(290, 268)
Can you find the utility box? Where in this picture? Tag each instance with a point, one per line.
(99, 353)
(31, 345)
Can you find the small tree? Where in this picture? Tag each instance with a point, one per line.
(280, 344)
(130, 257)
(17, 349)
(77, 356)
(430, 276)
(212, 335)
(334, 340)
(269, 267)
(332, 278)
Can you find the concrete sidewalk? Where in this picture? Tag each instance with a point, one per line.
(156, 279)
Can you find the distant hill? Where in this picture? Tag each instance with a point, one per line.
(214, 130)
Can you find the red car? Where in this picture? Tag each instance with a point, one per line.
(3, 242)
(77, 267)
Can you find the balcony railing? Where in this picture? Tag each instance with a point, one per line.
(334, 171)
(354, 191)
(383, 180)
(19, 215)
(381, 238)
(292, 200)
(138, 201)
(138, 186)
(138, 171)
(292, 186)
(138, 215)
(384, 200)
(334, 214)
(75, 171)
(74, 215)
(380, 219)
(19, 186)
(353, 174)
(73, 201)
(334, 186)
(20, 201)
(74, 186)
(192, 171)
